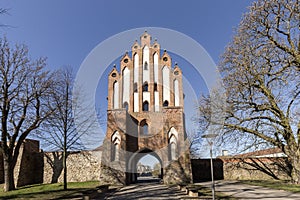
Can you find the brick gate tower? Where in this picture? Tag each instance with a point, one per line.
(145, 115)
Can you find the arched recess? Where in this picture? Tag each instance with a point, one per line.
(126, 84)
(116, 95)
(166, 103)
(145, 87)
(176, 93)
(155, 62)
(136, 68)
(166, 83)
(126, 105)
(146, 74)
(173, 147)
(131, 175)
(146, 67)
(155, 75)
(155, 87)
(144, 128)
(173, 131)
(135, 98)
(115, 146)
(136, 81)
(145, 106)
(135, 87)
(173, 138)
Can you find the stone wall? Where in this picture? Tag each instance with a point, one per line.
(29, 165)
(81, 166)
(256, 168)
(28, 169)
(34, 167)
(235, 168)
(178, 171)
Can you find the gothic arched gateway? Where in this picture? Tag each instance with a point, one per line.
(131, 176)
(145, 115)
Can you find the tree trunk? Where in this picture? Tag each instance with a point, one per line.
(65, 169)
(65, 136)
(9, 182)
(56, 163)
(296, 176)
(295, 161)
(57, 170)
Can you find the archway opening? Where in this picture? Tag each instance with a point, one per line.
(144, 166)
(149, 169)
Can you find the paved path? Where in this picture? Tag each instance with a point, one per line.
(147, 191)
(235, 189)
(243, 191)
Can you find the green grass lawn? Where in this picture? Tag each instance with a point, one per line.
(53, 191)
(274, 184)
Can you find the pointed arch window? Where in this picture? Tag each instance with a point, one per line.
(135, 87)
(176, 92)
(173, 150)
(115, 150)
(146, 106)
(145, 129)
(145, 87)
(166, 104)
(146, 65)
(155, 63)
(136, 68)
(173, 135)
(155, 87)
(125, 105)
(115, 95)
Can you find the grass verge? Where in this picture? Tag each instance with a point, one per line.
(205, 192)
(53, 191)
(274, 184)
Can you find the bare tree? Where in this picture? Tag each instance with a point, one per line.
(25, 102)
(63, 134)
(261, 73)
(195, 141)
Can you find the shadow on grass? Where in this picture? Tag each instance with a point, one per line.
(205, 192)
(275, 184)
(49, 194)
(32, 192)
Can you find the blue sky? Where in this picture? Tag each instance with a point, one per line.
(66, 31)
